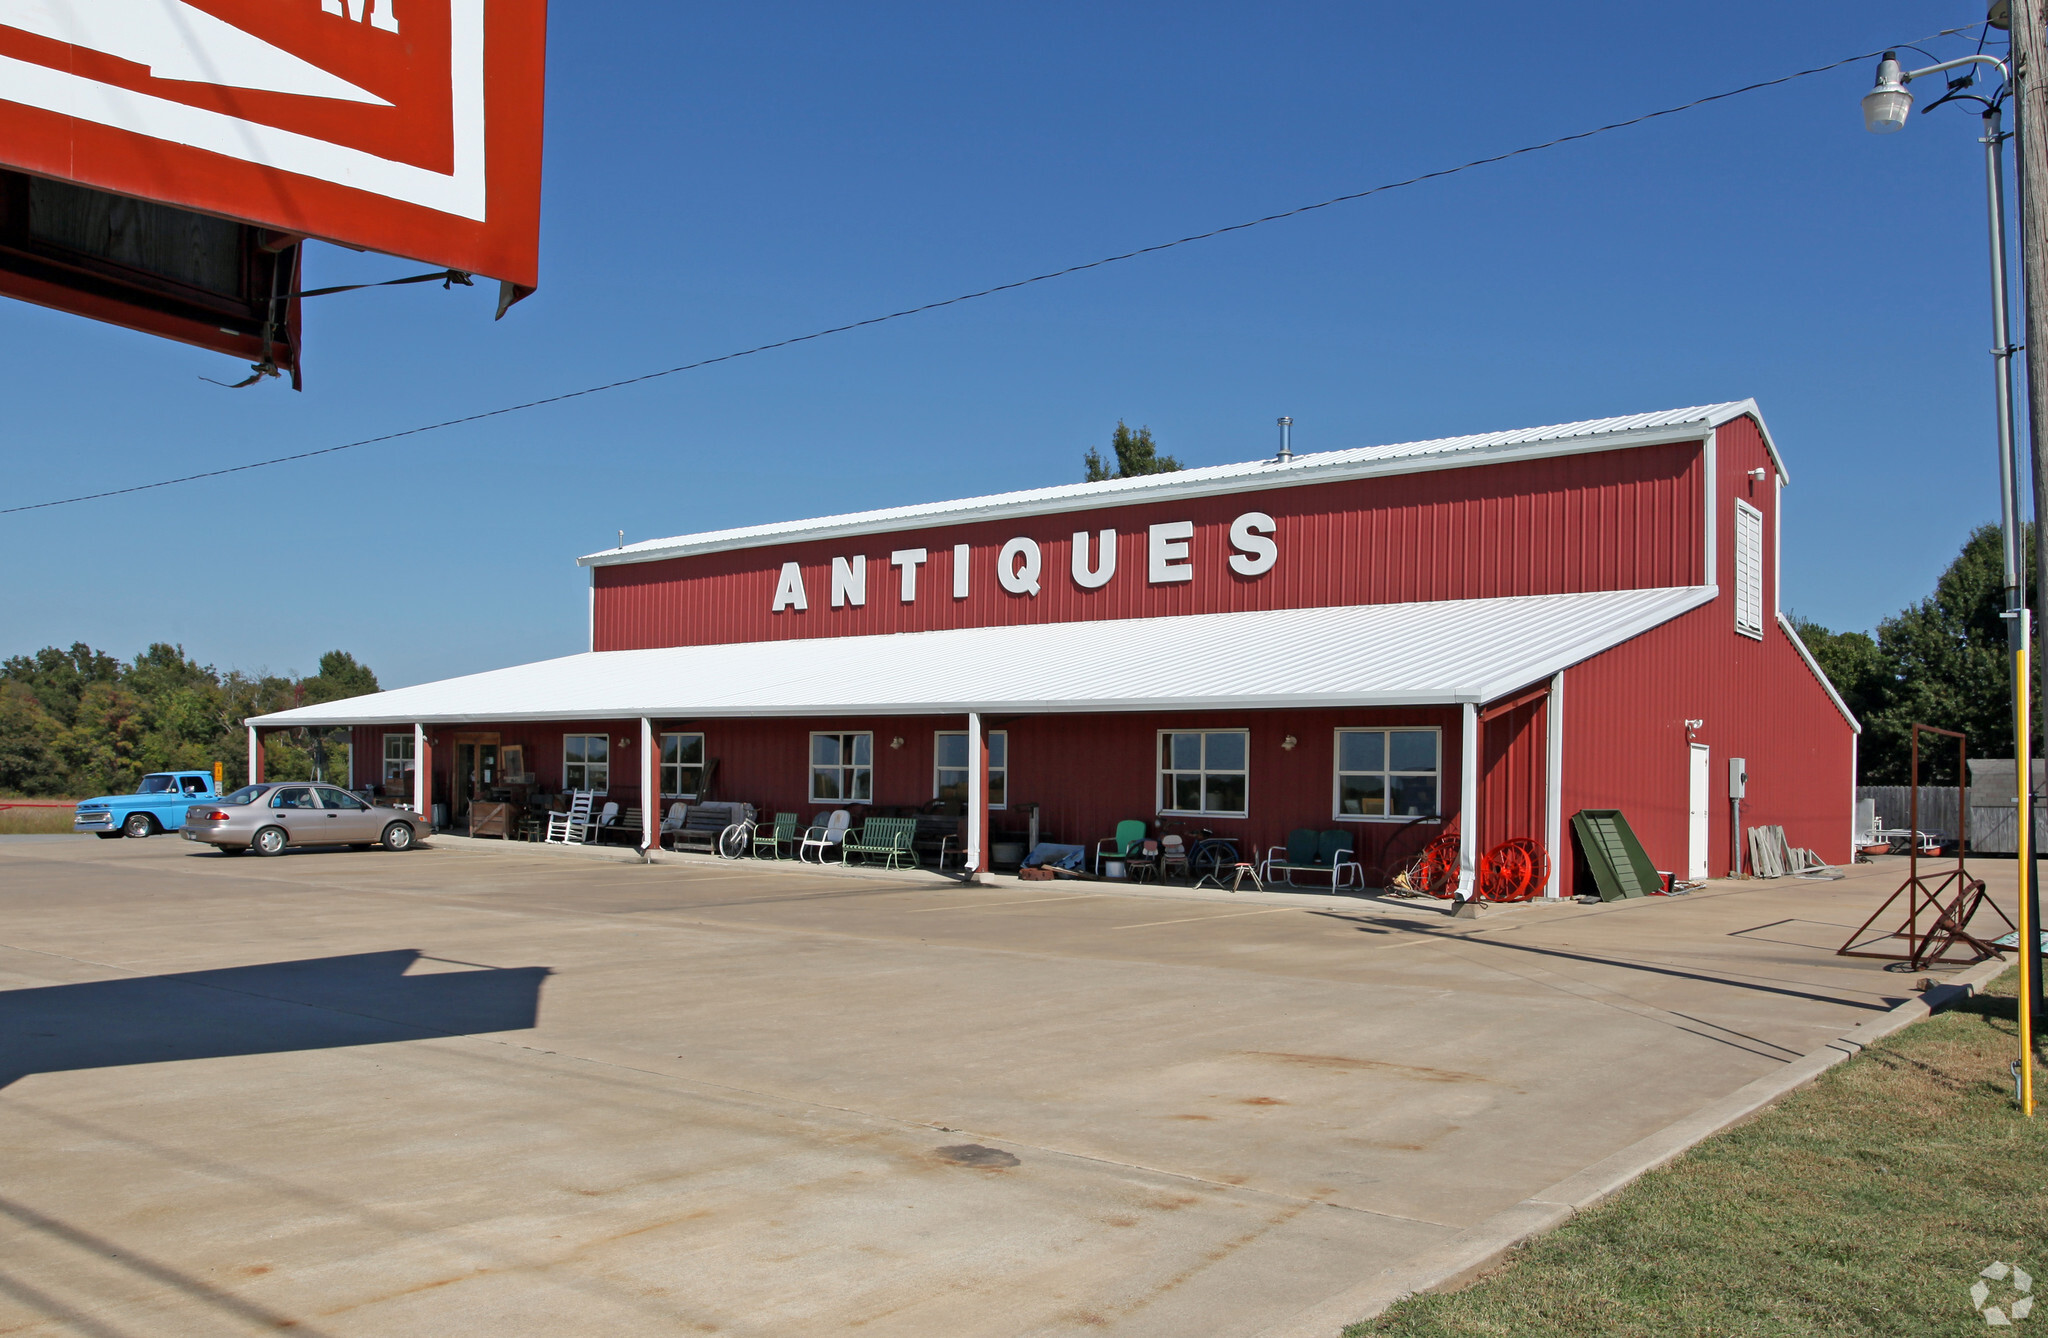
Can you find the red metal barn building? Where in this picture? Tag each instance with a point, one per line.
(1499, 629)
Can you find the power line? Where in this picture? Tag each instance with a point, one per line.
(1382, 189)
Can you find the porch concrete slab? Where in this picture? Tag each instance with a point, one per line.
(490, 1090)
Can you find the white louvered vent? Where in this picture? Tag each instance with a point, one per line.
(1749, 570)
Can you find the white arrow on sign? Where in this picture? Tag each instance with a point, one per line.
(177, 41)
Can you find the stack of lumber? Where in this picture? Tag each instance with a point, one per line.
(1772, 856)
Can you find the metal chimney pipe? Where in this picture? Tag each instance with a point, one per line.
(1286, 433)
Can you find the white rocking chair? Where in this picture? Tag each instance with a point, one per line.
(571, 828)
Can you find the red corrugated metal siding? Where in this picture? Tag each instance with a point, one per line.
(1626, 743)
(1512, 774)
(1085, 772)
(1601, 521)
(367, 743)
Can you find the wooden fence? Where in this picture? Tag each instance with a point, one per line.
(1994, 827)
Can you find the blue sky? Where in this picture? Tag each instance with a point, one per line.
(721, 176)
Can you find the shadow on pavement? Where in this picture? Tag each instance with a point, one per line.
(316, 1004)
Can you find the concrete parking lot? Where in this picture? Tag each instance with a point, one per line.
(503, 1092)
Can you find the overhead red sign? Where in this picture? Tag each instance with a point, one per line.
(411, 127)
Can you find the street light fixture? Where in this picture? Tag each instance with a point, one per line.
(1886, 108)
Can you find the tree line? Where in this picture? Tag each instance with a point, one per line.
(80, 722)
(1940, 661)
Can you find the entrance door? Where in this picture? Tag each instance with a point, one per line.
(476, 771)
(1696, 836)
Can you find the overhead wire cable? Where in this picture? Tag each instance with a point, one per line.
(1012, 286)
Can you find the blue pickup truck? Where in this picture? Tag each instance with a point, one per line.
(158, 805)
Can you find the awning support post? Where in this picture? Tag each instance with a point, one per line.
(650, 789)
(1468, 806)
(255, 758)
(1553, 782)
(422, 775)
(977, 798)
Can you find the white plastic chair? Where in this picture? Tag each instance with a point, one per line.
(823, 838)
(678, 812)
(571, 828)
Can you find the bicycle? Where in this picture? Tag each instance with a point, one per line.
(1209, 855)
(737, 840)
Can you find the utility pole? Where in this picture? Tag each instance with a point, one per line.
(2030, 129)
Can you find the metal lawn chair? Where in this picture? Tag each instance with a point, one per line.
(1339, 850)
(1130, 833)
(822, 837)
(1173, 854)
(772, 839)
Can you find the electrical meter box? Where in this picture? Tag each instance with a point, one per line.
(1738, 776)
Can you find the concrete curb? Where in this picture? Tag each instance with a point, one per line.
(1479, 1247)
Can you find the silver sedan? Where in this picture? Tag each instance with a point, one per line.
(267, 818)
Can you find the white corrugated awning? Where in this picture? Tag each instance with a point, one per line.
(1440, 652)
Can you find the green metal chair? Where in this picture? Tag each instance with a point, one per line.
(777, 838)
(1298, 853)
(1339, 851)
(1130, 833)
(1310, 851)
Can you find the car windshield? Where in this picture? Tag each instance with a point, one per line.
(158, 785)
(246, 795)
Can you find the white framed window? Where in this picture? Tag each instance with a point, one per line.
(397, 756)
(682, 765)
(1388, 773)
(586, 762)
(1749, 570)
(842, 768)
(1204, 772)
(950, 767)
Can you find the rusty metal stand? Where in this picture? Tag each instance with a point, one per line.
(1945, 904)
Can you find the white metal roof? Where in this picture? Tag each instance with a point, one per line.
(1483, 448)
(1445, 651)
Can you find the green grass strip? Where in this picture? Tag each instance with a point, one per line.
(1865, 1204)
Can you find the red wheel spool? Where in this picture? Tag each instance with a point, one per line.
(1516, 870)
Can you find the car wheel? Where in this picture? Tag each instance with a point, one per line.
(270, 841)
(109, 836)
(398, 836)
(139, 825)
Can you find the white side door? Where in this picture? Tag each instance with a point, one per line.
(1696, 834)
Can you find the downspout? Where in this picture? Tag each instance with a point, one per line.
(1553, 783)
(650, 790)
(977, 797)
(1468, 806)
